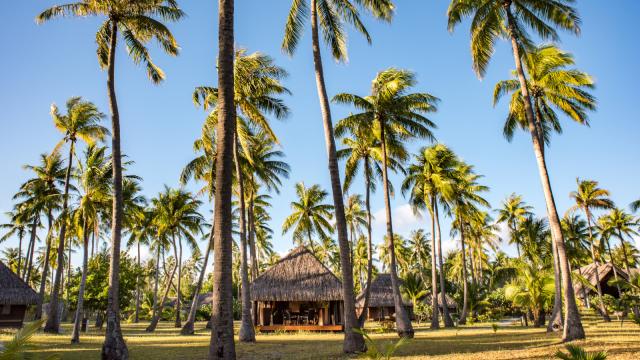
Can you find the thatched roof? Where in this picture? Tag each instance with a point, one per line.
(299, 276)
(451, 304)
(14, 291)
(605, 272)
(381, 293)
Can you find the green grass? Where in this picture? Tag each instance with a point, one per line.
(471, 342)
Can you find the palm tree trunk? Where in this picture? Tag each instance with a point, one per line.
(573, 329)
(613, 265)
(555, 321)
(93, 240)
(136, 318)
(188, 329)
(515, 238)
(20, 236)
(367, 202)
(23, 275)
(353, 342)
(155, 287)
(624, 252)
(160, 305)
(448, 322)
(403, 323)
(178, 255)
(53, 318)
(596, 263)
(75, 337)
(222, 345)
(465, 291)
(114, 346)
(45, 266)
(246, 333)
(313, 249)
(34, 238)
(435, 310)
(252, 236)
(67, 282)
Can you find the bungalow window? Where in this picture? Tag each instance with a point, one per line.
(6, 309)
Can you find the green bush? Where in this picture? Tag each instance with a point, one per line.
(578, 353)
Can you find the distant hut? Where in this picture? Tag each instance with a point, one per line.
(381, 305)
(15, 296)
(605, 274)
(452, 306)
(297, 293)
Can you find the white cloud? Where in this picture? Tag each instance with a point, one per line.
(404, 221)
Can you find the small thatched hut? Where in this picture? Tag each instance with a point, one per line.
(605, 272)
(15, 296)
(297, 293)
(381, 305)
(451, 304)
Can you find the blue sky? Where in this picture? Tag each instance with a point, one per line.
(42, 64)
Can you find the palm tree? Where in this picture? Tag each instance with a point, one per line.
(464, 201)
(141, 232)
(136, 20)
(531, 289)
(202, 168)
(430, 181)
(621, 224)
(635, 205)
(363, 149)
(16, 226)
(10, 257)
(401, 251)
(513, 211)
(589, 197)
(82, 121)
(94, 177)
(356, 219)
(49, 176)
(257, 83)
(177, 215)
(576, 236)
(552, 85)
(311, 215)
(420, 251)
(333, 15)
(266, 168)
(493, 19)
(222, 345)
(398, 115)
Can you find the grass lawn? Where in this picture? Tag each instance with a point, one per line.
(469, 342)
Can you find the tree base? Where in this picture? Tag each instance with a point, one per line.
(353, 343)
(114, 348)
(187, 329)
(406, 334)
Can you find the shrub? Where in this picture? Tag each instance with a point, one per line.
(578, 353)
(380, 350)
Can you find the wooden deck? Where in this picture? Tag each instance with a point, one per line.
(269, 328)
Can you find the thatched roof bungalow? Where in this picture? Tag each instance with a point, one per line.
(297, 293)
(605, 274)
(381, 305)
(451, 303)
(15, 296)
